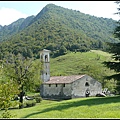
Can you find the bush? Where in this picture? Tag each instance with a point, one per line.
(38, 99)
(37, 95)
(30, 103)
(6, 114)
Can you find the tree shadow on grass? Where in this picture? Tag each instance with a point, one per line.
(77, 103)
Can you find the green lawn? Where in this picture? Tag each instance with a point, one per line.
(91, 107)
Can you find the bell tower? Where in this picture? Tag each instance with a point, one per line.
(45, 59)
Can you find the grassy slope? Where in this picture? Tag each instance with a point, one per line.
(91, 107)
(75, 63)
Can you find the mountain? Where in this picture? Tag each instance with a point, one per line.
(0, 27)
(57, 29)
(9, 30)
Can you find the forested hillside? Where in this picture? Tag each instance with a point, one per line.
(9, 30)
(57, 29)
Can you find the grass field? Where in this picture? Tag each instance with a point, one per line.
(75, 63)
(90, 107)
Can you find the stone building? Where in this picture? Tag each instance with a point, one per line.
(66, 87)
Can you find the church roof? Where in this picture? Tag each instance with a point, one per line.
(63, 79)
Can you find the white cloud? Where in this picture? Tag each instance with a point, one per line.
(104, 9)
(9, 15)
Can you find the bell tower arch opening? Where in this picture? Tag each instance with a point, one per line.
(46, 58)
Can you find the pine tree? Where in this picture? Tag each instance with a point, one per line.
(114, 49)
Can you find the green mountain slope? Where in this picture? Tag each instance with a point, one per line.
(59, 30)
(9, 30)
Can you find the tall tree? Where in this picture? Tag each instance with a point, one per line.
(22, 70)
(8, 90)
(114, 48)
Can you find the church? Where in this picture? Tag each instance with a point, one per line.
(65, 87)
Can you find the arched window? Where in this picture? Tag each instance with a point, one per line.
(46, 58)
(86, 84)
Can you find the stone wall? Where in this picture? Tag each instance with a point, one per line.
(58, 91)
(79, 87)
(75, 89)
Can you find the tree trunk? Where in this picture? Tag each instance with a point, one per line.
(21, 98)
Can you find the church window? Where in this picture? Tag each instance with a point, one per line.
(56, 85)
(49, 85)
(86, 84)
(63, 85)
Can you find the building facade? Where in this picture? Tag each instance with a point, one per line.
(66, 87)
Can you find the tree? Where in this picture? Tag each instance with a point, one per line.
(114, 48)
(23, 71)
(62, 50)
(8, 90)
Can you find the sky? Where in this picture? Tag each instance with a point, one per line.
(10, 11)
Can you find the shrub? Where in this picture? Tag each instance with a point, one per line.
(38, 99)
(30, 103)
(37, 95)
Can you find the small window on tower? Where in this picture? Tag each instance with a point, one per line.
(46, 58)
(46, 73)
(49, 85)
(63, 85)
(56, 85)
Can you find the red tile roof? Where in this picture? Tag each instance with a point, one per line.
(63, 79)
